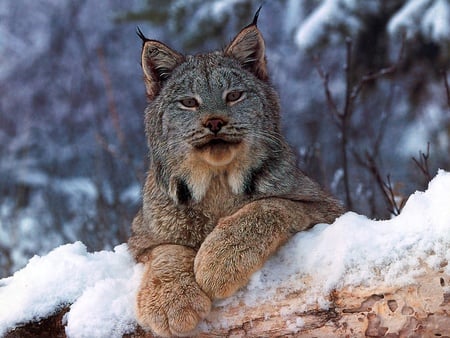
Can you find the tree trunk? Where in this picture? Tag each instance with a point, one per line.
(419, 309)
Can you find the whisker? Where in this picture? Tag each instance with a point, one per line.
(273, 140)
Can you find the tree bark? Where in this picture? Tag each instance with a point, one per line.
(419, 309)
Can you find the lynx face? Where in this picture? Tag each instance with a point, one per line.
(208, 115)
(211, 110)
(211, 115)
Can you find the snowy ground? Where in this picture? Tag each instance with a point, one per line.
(354, 250)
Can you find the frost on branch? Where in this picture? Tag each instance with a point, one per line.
(426, 18)
(430, 19)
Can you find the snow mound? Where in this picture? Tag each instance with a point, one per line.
(355, 250)
(100, 287)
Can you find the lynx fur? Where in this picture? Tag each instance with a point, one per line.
(223, 192)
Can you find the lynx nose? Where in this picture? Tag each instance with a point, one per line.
(215, 124)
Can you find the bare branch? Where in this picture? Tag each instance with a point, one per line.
(380, 73)
(120, 155)
(114, 114)
(352, 92)
(124, 154)
(422, 163)
(393, 205)
(348, 107)
(325, 76)
(395, 208)
(345, 120)
(447, 87)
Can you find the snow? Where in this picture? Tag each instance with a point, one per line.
(435, 22)
(416, 17)
(131, 194)
(404, 20)
(355, 250)
(221, 6)
(417, 135)
(82, 187)
(331, 17)
(430, 18)
(311, 30)
(100, 287)
(295, 327)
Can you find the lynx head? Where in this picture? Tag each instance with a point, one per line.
(210, 116)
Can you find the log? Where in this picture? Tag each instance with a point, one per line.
(354, 278)
(418, 309)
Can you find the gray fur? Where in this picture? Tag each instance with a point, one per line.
(216, 204)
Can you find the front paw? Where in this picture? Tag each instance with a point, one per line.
(169, 301)
(174, 311)
(224, 264)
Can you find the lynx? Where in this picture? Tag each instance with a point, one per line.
(223, 192)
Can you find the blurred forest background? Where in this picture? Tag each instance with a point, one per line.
(363, 87)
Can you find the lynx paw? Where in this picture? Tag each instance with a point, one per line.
(222, 265)
(169, 301)
(173, 310)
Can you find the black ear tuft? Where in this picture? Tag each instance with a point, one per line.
(255, 18)
(141, 35)
(248, 48)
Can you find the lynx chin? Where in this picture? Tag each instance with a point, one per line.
(223, 192)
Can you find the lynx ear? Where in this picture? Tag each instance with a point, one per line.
(158, 62)
(249, 49)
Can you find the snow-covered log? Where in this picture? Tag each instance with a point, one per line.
(420, 309)
(354, 278)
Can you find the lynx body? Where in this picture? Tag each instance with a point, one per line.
(223, 192)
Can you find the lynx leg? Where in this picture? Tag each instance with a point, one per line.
(169, 300)
(242, 242)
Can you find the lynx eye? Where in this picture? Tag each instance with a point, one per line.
(233, 96)
(189, 102)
